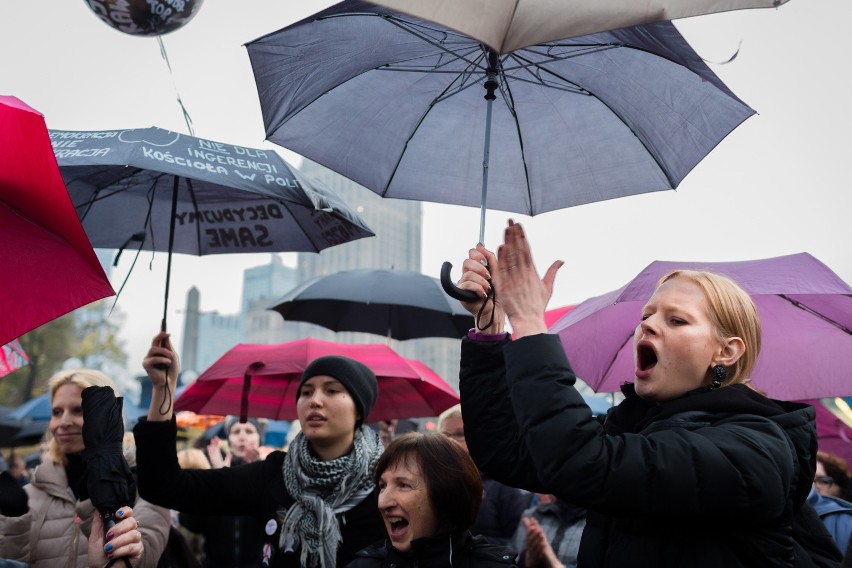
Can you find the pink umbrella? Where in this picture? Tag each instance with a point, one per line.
(12, 357)
(48, 265)
(833, 434)
(261, 381)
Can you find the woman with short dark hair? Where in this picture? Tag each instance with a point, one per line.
(429, 495)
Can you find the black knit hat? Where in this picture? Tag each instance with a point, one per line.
(355, 376)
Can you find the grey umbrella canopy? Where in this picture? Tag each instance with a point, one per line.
(399, 304)
(158, 190)
(396, 104)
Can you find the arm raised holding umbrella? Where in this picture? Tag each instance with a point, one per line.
(693, 465)
(317, 503)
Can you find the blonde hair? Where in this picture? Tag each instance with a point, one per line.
(451, 412)
(82, 378)
(192, 458)
(732, 313)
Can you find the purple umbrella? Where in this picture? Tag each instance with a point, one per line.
(805, 311)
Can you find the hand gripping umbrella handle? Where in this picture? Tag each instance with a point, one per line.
(109, 522)
(451, 289)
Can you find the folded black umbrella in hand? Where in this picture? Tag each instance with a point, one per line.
(108, 477)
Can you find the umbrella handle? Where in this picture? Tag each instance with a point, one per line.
(451, 289)
(109, 522)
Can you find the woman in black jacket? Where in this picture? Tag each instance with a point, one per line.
(429, 495)
(317, 502)
(693, 468)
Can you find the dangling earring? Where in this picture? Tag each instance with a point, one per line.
(719, 376)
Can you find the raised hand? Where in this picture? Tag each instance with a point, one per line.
(523, 295)
(162, 365)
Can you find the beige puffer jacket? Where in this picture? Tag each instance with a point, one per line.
(54, 533)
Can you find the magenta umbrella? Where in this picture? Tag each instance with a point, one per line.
(833, 434)
(805, 311)
(261, 381)
(48, 265)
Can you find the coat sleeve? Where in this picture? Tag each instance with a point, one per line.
(741, 465)
(240, 490)
(491, 429)
(15, 537)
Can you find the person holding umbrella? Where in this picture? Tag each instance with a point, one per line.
(318, 501)
(52, 521)
(693, 468)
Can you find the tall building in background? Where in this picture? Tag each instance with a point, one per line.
(397, 245)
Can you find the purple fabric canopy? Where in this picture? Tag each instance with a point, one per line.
(805, 311)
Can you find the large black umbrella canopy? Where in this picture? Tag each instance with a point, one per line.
(399, 304)
(396, 104)
(108, 476)
(158, 190)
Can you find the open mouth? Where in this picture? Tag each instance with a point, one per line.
(646, 357)
(397, 524)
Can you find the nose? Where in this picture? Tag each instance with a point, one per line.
(315, 399)
(386, 499)
(648, 326)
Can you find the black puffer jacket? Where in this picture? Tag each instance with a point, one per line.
(256, 489)
(456, 551)
(710, 479)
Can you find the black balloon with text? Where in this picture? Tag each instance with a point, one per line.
(145, 17)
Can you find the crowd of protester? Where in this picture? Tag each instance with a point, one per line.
(694, 468)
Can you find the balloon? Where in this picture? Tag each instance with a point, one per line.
(145, 17)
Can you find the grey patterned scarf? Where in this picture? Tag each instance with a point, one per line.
(323, 489)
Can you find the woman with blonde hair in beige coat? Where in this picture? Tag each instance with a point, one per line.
(46, 525)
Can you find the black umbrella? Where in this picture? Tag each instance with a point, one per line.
(108, 478)
(17, 433)
(394, 303)
(157, 190)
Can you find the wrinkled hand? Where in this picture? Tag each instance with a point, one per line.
(476, 278)
(523, 295)
(538, 553)
(123, 541)
(161, 352)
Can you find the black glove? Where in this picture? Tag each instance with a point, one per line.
(13, 498)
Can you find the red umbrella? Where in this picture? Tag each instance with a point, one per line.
(261, 381)
(49, 267)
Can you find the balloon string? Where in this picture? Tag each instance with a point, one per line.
(165, 56)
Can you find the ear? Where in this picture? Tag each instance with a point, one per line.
(730, 352)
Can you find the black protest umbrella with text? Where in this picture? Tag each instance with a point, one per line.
(157, 190)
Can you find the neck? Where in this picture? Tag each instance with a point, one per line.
(333, 450)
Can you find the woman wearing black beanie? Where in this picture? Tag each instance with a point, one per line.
(318, 502)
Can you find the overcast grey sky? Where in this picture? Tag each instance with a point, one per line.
(779, 184)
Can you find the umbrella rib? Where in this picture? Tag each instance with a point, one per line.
(423, 116)
(88, 204)
(506, 93)
(616, 114)
(816, 314)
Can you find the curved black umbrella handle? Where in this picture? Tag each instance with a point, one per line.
(451, 289)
